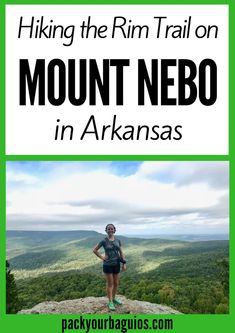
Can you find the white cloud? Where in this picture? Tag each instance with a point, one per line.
(146, 199)
(19, 177)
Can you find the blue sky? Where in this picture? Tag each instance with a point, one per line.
(139, 197)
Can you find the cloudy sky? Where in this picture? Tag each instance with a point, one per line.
(138, 197)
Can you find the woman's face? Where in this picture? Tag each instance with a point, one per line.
(110, 229)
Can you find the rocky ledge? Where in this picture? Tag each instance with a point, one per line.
(98, 305)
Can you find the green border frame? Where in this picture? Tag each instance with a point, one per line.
(182, 323)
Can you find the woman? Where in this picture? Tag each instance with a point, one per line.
(111, 264)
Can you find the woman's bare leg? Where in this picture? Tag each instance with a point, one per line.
(109, 286)
(115, 284)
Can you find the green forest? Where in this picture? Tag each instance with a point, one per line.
(192, 277)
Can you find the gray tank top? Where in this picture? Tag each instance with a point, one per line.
(112, 251)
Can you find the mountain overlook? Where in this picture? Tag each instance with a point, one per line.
(191, 277)
(32, 253)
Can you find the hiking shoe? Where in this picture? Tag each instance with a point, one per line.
(111, 306)
(117, 301)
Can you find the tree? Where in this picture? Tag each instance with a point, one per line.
(224, 275)
(222, 308)
(166, 294)
(12, 300)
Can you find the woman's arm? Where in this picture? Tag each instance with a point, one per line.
(123, 257)
(121, 253)
(95, 250)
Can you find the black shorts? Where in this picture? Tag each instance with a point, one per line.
(111, 269)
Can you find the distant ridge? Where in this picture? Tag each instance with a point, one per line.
(73, 234)
(22, 232)
(184, 237)
(79, 234)
(28, 239)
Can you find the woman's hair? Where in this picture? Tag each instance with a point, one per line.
(106, 228)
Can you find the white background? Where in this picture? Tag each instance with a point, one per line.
(31, 129)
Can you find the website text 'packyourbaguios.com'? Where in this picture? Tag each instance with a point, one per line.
(119, 325)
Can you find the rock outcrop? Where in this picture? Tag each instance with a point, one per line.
(98, 305)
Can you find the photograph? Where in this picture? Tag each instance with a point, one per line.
(117, 166)
(124, 237)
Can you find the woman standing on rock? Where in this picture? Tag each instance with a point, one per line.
(111, 264)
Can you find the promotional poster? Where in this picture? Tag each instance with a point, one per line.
(117, 166)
